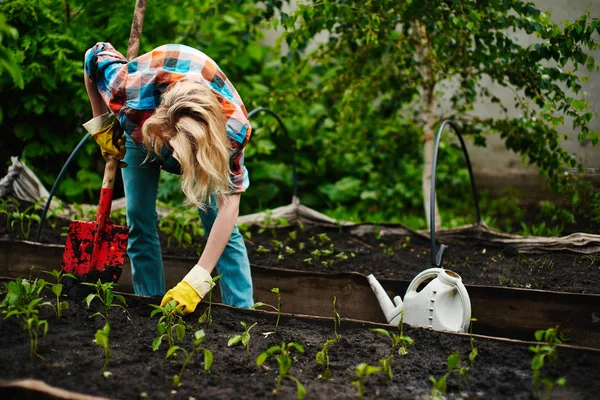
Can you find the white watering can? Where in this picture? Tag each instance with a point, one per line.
(443, 304)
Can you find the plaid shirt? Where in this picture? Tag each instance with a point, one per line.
(132, 91)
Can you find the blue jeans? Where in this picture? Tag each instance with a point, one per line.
(141, 184)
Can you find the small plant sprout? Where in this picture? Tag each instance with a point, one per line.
(323, 238)
(198, 339)
(547, 350)
(440, 386)
(396, 341)
(57, 289)
(284, 363)
(23, 301)
(293, 235)
(101, 339)
(278, 308)
(170, 324)
(337, 320)
(289, 250)
(322, 358)
(104, 293)
(474, 351)
(243, 338)
(363, 371)
(262, 249)
(207, 314)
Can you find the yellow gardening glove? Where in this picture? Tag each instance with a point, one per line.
(186, 297)
(189, 292)
(102, 129)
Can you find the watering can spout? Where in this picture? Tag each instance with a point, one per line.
(390, 309)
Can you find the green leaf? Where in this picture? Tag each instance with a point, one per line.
(89, 299)
(579, 105)
(172, 351)
(262, 358)
(57, 289)
(537, 361)
(453, 360)
(120, 298)
(208, 359)
(296, 346)
(161, 328)
(245, 339)
(234, 340)
(109, 297)
(382, 331)
(157, 342)
(180, 329)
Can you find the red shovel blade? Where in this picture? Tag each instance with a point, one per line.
(92, 255)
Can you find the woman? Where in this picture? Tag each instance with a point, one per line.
(181, 114)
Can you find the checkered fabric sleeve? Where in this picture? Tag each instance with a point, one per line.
(133, 91)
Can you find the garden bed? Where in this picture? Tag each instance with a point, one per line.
(69, 359)
(366, 250)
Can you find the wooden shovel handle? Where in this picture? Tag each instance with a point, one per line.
(110, 170)
(136, 29)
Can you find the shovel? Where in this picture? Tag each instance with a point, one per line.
(96, 250)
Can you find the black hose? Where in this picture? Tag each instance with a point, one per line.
(436, 256)
(58, 179)
(287, 135)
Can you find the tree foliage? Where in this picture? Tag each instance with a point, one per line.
(389, 52)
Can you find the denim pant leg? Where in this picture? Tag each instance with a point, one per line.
(141, 184)
(233, 265)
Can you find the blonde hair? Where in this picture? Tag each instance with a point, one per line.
(190, 119)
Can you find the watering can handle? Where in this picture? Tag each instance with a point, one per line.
(422, 277)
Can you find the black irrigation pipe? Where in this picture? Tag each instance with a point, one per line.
(87, 135)
(437, 256)
(58, 179)
(287, 135)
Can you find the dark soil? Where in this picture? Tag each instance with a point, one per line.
(69, 359)
(403, 257)
(392, 257)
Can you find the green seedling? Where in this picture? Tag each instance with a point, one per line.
(337, 320)
(301, 246)
(170, 324)
(284, 363)
(245, 231)
(262, 250)
(25, 218)
(308, 260)
(293, 235)
(197, 340)
(440, 386)
(280, 258)
(289, 250)
(277, 245)
(363, 371)
(278, 308)
(101, 339)
(327, 263)
(542, 352)
(323, 238)
(474, 350)
(322, 358)
(207, 314)
(104, 293)
(341, 256)
(243, 338)
(7, 207)
(400, 341)
(181, 226)
(57, 289)
(23, 301)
